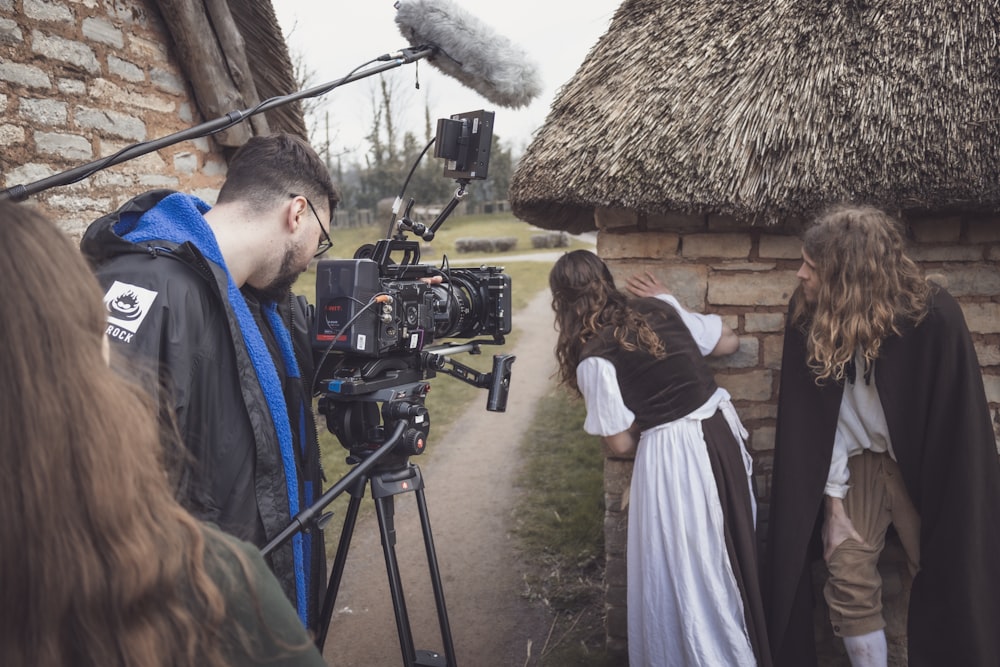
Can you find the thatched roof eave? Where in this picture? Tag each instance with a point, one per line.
(210, 41)
(763, 111)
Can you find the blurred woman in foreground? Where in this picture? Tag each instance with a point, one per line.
(99, 565)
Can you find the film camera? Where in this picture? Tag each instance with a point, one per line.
(412, 313)
(382, 318)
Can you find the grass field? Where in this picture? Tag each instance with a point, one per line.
(560, 529)
(348, 239)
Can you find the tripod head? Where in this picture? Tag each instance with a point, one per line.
(350, 399)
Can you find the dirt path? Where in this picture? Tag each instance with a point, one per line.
(470, 487)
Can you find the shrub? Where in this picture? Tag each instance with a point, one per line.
(504, 244)
(550, 240)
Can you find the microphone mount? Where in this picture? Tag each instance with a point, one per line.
(402, 57)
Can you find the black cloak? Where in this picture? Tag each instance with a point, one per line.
(930, 385)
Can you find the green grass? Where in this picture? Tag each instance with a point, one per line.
(348, 239)
(560, 523)
(564, 466)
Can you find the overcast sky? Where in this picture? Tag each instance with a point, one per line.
(335, 36)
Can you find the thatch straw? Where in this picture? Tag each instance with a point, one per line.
(772, 110)
(270, 62)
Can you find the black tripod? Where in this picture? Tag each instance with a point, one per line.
(387, 480)
(350, 404)
(385, 485)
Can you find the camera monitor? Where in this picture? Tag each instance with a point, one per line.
(464, 141)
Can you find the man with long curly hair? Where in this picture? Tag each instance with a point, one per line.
(882, 419)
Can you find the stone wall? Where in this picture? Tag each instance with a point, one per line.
(79, 81)
(714, 264)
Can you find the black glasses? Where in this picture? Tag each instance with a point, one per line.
(325, 242)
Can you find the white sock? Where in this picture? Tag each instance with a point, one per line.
(867, 650)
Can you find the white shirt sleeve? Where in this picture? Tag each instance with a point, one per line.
(606, 411)
(838, 477)
(706, 329)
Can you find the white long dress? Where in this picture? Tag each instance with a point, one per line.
(684, 605)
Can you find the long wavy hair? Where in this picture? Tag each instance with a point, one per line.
(99, 565)
(868, 288)
(586, 301)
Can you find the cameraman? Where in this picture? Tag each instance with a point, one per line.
(199, 298)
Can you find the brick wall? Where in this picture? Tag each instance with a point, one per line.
(81, 80)
(713, 264)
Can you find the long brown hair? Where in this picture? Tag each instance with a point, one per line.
(586, 301)
(868, 287)
(99, 565)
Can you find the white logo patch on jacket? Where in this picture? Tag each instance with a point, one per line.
(127, 307)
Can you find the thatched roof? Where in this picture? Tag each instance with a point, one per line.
(234, 54)
(770, 110)
(270, 62)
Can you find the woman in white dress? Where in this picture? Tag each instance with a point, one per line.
(693, 592)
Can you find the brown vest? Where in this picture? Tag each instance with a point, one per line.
(657, 390)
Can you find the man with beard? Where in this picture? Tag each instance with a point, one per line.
(200, 310)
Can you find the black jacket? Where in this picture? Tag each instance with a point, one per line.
(931, 389)
(171, 318)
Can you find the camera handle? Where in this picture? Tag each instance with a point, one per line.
(497, 381)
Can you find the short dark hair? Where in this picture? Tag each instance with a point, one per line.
(270, 168)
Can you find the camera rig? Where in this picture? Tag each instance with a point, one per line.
(382, 317)
(379, 326)
(386, 321)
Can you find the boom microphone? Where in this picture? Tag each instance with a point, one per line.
(470, 51)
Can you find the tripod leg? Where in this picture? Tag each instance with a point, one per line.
(385, 486)
(432, 564)
(337, 574)
(385, 509)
